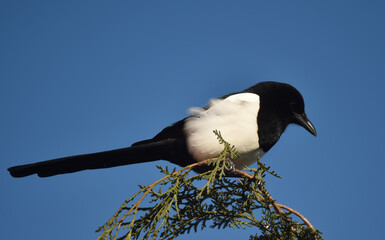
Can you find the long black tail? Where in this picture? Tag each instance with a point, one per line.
(136, 154)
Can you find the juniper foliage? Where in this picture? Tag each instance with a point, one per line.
(177, 205)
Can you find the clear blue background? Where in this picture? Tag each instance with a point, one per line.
(87, 76)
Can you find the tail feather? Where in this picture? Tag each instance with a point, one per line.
(138, 153)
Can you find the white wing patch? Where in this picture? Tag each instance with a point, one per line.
(236, 118)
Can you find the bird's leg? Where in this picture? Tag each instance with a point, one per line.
(230, 168)
(229, 165)
(260, 183)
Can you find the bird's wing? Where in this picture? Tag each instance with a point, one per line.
(173, 131)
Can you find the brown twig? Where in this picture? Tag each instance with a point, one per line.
(276, 205)
(298, 214)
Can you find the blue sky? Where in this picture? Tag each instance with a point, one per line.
(88, 76)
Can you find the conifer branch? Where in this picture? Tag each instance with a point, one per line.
(221, 202)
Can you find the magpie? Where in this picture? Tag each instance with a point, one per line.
(252, 120)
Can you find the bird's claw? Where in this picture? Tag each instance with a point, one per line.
(260, 183)
(230, 166)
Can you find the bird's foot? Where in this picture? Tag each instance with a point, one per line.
(230, 167)
(260, 183)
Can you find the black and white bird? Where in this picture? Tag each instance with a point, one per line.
(252, 120)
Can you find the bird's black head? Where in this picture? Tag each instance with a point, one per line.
(294, 107)
(280, 105)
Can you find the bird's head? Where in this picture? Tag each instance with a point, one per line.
(296, 108)
(285, 102)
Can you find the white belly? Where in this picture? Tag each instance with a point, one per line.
(236, 118)
(247, 159)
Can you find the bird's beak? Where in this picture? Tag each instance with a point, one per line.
(305, 122)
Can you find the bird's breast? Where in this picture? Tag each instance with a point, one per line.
(248, 158)
(236, 118)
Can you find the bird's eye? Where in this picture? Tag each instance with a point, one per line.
(292, 105)
(295, 107)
